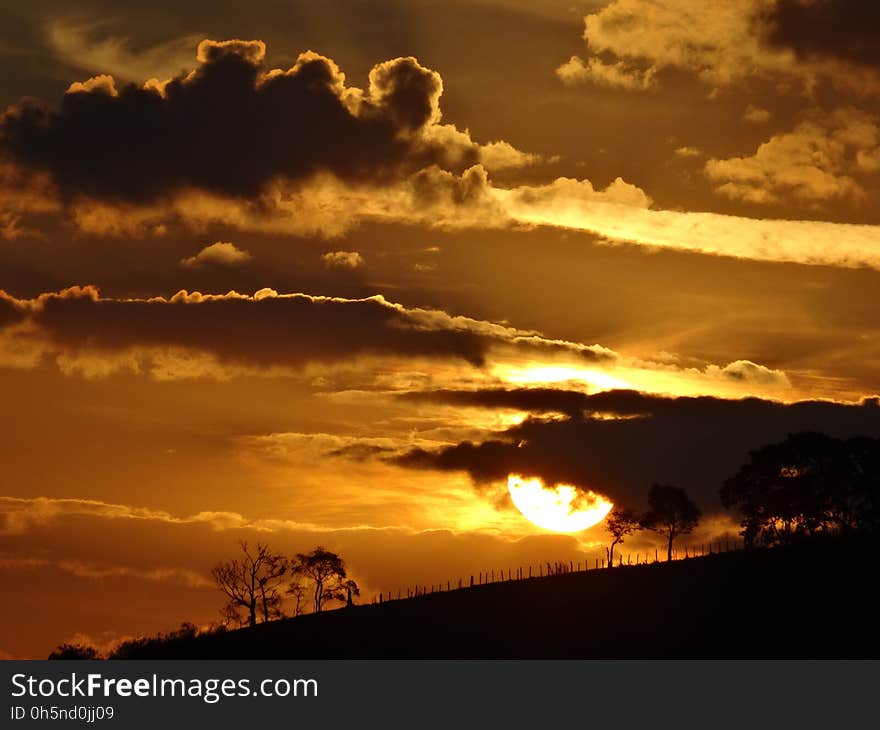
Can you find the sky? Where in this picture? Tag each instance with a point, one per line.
(327, 273)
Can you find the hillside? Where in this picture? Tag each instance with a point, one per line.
(813, 600)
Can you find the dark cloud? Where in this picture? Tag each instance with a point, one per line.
(848, 30)
(694, 442)
(228, 128)
(569, 402)
(264, 330)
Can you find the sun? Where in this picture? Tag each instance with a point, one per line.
(560, 508)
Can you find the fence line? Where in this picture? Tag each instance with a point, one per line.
(487, 576)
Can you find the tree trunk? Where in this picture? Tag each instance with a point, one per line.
(610, 552)
(669, 547)
(252, 608)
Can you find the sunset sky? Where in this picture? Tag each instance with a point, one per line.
(325, 273)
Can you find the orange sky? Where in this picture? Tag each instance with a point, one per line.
(330, 283)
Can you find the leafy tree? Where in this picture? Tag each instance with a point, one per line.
(326, 570)
(620, 522)
(670, 512)
(807, 484)
(252, 582)
(863, 455)
(74, 651)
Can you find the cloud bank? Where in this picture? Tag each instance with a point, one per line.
(620, 442)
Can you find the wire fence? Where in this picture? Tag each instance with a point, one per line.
(546, 569)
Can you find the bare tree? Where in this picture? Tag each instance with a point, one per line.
(621, 521)
(252, 582)
(297, 591)
(269, 580)
(326, 570)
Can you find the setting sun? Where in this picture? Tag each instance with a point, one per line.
(561, 508)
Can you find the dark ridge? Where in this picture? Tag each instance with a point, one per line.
(812, 600)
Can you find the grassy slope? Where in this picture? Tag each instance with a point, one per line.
(809, 601)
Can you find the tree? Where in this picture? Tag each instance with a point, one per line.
(670, 512)
(252, 582)
(297, 591)
(863, 455)
(807, 484)
(74, 651)
(327, 571)
(620, 522)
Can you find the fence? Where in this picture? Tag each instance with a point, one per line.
(542, 570)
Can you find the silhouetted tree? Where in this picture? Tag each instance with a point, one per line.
(621, 521)
(863, 455)
(807, 484)
(297, 591)
(670, 512)
(326, 570)
(142, 647)
(252, 582)
(229, 615)
(74, 651)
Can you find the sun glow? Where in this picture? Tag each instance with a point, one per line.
(560, 508)
(541, 374)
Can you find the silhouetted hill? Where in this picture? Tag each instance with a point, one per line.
(812, 600)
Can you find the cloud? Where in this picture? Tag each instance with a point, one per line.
(539, 400)
(371, 344)
(232, 130)
(814, 162)
(20, 515)
(626, 440)
(9, 228)
(688, 152)
(844, 30)
(794, 241)
(342, 260)
(755, 115)
(86, 46)
(633, 41)
(203, 335)
(568, 189)
(220, 253)
(329, 157)
(747, 371)
(80, 569)
(618, 74)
